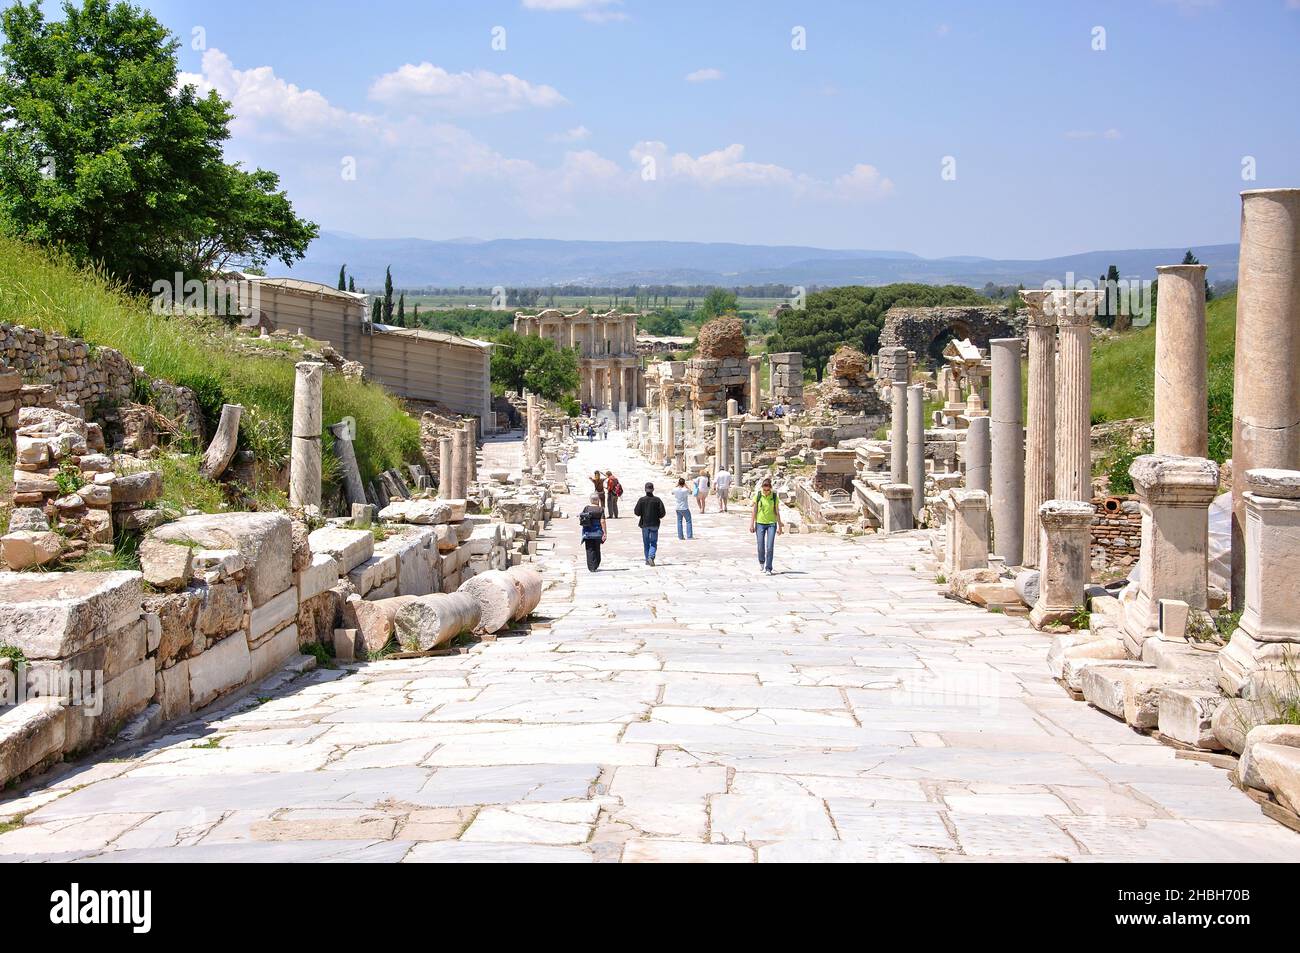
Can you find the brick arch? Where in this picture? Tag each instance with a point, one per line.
(926, 331)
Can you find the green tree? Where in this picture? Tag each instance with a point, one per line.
(105, 154)
(352, 283)
(854, 315)
(717, 302)
(343, 283)
(376, 311)
(525, 361)
(401, 310)
(388, 295)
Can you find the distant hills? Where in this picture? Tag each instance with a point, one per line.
(537, 262)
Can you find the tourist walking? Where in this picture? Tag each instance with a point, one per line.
(650, 512)
(682, 504)
(722, 485)
(594, 531)
(613, 490)
(604, 428)
(765, 523)
(598, 483)
(701, 488)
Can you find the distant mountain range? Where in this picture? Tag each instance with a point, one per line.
(538, 262)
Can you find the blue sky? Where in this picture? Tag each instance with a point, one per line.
(1058, 147)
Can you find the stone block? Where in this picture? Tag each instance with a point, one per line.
(265, 541)
(167, 566)
(272, 615)
(320, 574)
(1279, 769)
(419, 512)
(1248, 768)
(1077, 658)
(136, 488)
(1186, 716)
(54, 615)
(24, 549)
(172, 689)
(272, 653)
(348, 547)
(345, 645)
(222, 667)
(30, 733)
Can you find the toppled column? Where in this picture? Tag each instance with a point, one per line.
(1266, 391)
(1175, 493)
(896, 359)
(1074, 312)
(755, 393)
(504, 596)
(978, 455)
(1065, 544)
(1007, 446)
(1181, 399)
(968, 530)
(916, 447)
(1266, 645)
(305, 459)
(353, 488)
(430, 621)
(224, 442)
(446, 466)
(1040, 430)
(897, 515)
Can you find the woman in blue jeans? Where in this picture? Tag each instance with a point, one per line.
(765, 523)
(682, 499)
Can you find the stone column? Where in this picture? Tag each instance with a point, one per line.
(615, 387)
(733, 408)
(978, 455)
(720, 447)
(446, 469)
(1182, 427)
(533, 447)
(1267, 642)
(897, 515)
(896, 360)
(1040, 431)
(1074, 311)
(1007, 447)
(1175, 493)
(456, 482)
(1266, 395)
(304, 460)
(755, 392)
(916, 446)
(737, 466)
(968, 530)
(670, 434)
(1065, 560)
(353, 488)
(471, 454)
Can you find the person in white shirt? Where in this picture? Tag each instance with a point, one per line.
(702, 490)
(722, 485)
(682, 500)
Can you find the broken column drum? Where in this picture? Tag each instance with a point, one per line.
(305, 455)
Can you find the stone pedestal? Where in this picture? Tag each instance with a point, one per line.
(1266, 393)
(1007, 439)
(916, 446)
(1267, 643)
(897, 517)
(733, 408)
(305, 459)
(1182, 427)
(978, 455)
(755, 387)
(1074, 312)
(1040, 422)
(968, 530)
(1065, 560)
(1175, 493)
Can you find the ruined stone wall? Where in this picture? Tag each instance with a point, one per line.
(921, 330)
(72, 370)
(1116, 537)
(786, 378)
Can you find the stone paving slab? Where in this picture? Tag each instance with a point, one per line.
(840, 711)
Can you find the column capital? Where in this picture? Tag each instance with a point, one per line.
(1075, 307)
(1035, 300)
(1173, 480)
(1066, 514)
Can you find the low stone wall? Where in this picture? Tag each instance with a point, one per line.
(70, 368)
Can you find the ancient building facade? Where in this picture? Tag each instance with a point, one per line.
(925, 331)
(608, 367)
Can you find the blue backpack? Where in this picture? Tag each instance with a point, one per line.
(589, 520)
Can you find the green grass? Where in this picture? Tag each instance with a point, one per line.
(1123, 369)
(44, 290)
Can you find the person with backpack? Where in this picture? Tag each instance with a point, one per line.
(765, 523)
(594, 531)
(650, 512)
(598, 483)
(613, 490)
(682, 498)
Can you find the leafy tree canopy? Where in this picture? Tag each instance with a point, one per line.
(522, 361)
(102, 153)
(854, 315)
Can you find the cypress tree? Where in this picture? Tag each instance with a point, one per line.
(388, 295)
(343, 270)
(401, 310)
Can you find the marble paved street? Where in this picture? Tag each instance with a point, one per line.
(840, 710)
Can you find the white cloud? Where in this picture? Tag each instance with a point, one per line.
(479, 91)
(704, 75)
(597, 11)
(1111, 133)
(576, 134)
(863, 182)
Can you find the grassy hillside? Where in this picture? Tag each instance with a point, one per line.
(42, 290)
(1123, 374)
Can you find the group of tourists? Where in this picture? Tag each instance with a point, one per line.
(764, 519)
(591, 427)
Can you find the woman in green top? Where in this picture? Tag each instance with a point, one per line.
(765, 523)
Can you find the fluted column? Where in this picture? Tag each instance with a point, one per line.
(1182, 427)
(446, 469)
(1266, 392)
(916, 446)
(1007, 502)
(1040, 436)
(1074, 312)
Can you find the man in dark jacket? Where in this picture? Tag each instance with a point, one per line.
(649, 512)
